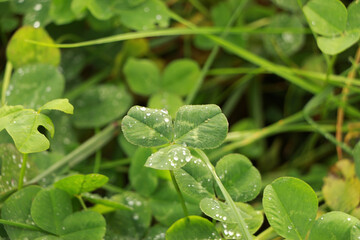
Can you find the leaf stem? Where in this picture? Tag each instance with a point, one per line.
(344, 93)
(20, 225)
(22, 171)
(6, 82)
(81, 200)
(213, 53)
(267, 234)
(182, 200)
(240, 220)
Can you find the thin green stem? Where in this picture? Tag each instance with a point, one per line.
(267, 234)
(6, 82)
(82, 152)
(22, 171)
(181, 197)
(20, 225)
(97, 155)
(279, 70)
(112, 188)
(171, 32)
(213, 53)
(81, 200)
(240, 220)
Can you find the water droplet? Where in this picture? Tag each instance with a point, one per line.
(36, 24)
(166, 120)
(158, 17)
(142, 108)
(38, 7)
(349, 219)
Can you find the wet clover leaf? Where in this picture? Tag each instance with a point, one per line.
(290, 206)
(35, 84)
(200, 126)
(169, 158)
(49, 209)
(147, 127)
(335, 225)
(239, 176)
(143, 15)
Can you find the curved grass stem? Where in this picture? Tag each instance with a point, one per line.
(22, 171)
(6, 82)
(182, 200)
(240, 220)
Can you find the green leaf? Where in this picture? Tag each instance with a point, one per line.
(326, 17)
(286, 43)
(36, 12)
(7, 114)
(180, 76)
(150, 14)
(129, 224)
(195, 180)
(239, 176)
(200, 126)
(96, 199)
(11, 162)
(102, 10)
(336, 45)
(99, 106)
(24, 131)
(20, 53)
(192, 227)
(34, 85)
(169, 158)
(37, 16)
(218, 210)
(60, 12)
(253, 218)
(355, 232)
(353, 23)
(142, 75)
(17, 209)
(49, 209)
(147, 127)
(156, 232)
(164, 100)
(83, 226)
(290, 206)
(291, 5)
(58, 104)
(333, 225)
(77, 184)
(222, 212)
(144, 180)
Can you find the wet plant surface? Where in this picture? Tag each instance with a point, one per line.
(154, 119)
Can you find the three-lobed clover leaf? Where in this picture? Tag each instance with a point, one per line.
(337, 26)
(197, 126)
